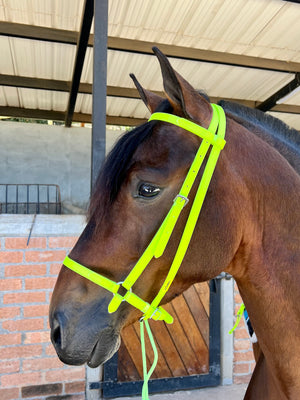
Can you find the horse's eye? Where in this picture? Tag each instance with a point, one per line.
(148, 190)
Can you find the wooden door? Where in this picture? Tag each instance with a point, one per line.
(188, 349)
(183, 347)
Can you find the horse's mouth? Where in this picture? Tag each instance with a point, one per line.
(103, 352)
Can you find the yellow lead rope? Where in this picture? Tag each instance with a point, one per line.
(147, 374)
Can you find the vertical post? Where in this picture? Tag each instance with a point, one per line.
(93, 375)
(99, 86)
(227, 312)
(98, 130)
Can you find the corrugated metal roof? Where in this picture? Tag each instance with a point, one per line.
(57, 14)
(252, 27)
(260, 28)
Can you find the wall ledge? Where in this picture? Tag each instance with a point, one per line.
(43, 225)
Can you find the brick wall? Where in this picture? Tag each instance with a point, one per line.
(29, 367)
(243, 358)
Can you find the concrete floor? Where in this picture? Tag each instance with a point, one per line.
(232, 392)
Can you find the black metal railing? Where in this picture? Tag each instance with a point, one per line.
(30, 199)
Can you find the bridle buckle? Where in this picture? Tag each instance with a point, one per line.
(186, 200)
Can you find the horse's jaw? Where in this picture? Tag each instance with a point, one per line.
(107, 345)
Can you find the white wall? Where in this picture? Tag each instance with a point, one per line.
(37, 153)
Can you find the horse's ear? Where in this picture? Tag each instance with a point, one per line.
(151, 100)
(182, 96)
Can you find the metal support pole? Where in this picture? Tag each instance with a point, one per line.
(86, 22)
(99, 86)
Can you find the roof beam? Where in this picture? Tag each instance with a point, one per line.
(85, 28)
(124, 121)
(31, 113)
(116, 91)
(286, 108)
(87, 118)
(64, 86)
(35, 32)
(42, 84)
(142, 47)
(192, 54)
(269, 103)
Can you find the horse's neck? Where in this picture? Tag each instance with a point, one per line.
(267, 263)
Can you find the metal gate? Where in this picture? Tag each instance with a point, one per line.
(30, 199)
(189, 349)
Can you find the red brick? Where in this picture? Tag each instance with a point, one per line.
(36, 311)
(241, 368)
(244, 356)
(27, 269)
(41, 390)
(75, 387)
(241, 334)
(39, 283)
(48, 324)
(45, 256)
(50, 350)
(11, 257)
(10, 339)
(50, 294)
(21, 243)
(238, 299)
(10, 284)
(23, 325)
(20, 380)
(37, 337)
(9, 312)
(62, 242)
(9, 353)
(55, 268)
(242, 345)
(15, 298)
(237, 380)
(41, 364)
(9, 394)
(9, 366)
(66, 374)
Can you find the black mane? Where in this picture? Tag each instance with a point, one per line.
(284, 139)
(117, 164)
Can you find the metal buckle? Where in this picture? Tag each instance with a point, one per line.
(154, 312)
(151, 316)
(186, 200)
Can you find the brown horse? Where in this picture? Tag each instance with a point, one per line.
(249, 226)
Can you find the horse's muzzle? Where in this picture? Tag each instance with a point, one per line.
(76, 344)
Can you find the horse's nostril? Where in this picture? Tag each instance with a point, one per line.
(56, 337)
(57, 332)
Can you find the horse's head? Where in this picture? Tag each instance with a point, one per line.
(133, 194)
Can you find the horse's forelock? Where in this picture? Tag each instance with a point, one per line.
(116, 166)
